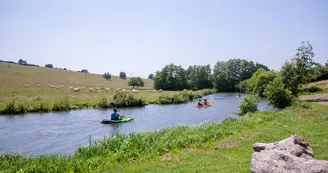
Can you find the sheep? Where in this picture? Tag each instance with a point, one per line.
(91, 89)
(26, 86)
(70, 88)
(107, 89)
(118, 89)
(82, 88)
(38, 85)
(76, 89)
(98, 88)
(135, 91)
(160, 90)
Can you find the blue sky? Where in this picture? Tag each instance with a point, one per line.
(141, 37)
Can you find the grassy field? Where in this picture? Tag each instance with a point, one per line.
(322, 84)
(222, 147)
(15, 98)
(19, 75)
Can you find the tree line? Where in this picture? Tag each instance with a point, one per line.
(226, 75)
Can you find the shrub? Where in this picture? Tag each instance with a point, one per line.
(14, 107)
(249, 104)
(278, 96)
(312, 89)
(123, 99)
(62, 105)
(104, 103)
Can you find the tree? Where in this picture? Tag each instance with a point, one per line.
(84, 71)
(199, 77)
(22, 62)
(258, 82)
(171, 77)
(151, 76)
(122, 75)
(136, 82)
(107, 75)
(297, 72)
(277, 94)
(226, 75)
(264, 67)
(49, 66)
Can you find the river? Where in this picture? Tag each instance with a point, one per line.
(63, 132)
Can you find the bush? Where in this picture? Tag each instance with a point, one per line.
(14, 107)
(278, 96)
(104, 103)
(312, 89)
(249, 104)
(62, 105)
(123, 99)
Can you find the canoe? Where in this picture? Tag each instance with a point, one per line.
(106, 121)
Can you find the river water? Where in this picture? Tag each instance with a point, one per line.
(64, 132)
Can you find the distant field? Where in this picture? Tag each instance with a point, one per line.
(19, 75)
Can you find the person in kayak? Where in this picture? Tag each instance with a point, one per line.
(115, 115)
(200, 103)
(205, 102)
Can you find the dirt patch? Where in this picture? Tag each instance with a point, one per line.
(314, 98)
(232, 144)
(169, 158)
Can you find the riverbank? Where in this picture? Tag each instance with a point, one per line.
(223, 147)
(27, 100)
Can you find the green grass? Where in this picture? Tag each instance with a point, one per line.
(211, 147)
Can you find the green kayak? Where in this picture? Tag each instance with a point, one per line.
(106, 121)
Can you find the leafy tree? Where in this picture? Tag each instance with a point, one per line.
(151, 76)
(122, 75)
(84, 71)
(297, 72)
(171, 77)
(249, 104)
(320, 72)
(22, 62)
(136, 82)
(260, 79)
(228, 74)
(264, 67)
(107, 76)
(243, 86)
(49, 66)
(277, 94)
(199, 77)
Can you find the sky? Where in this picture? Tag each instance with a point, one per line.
(141, 37)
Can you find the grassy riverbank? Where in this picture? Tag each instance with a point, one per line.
(223, 147)
(24, 100)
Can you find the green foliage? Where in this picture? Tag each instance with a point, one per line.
(123, 99)
(262, 66)
(228, 74)
(183, 97)
(122, 75)
(258, 82)
(199, 77)
(312, 89)
(14, 107)
(249, 104)
(151, 76)
(320, 72)
(104, 103)
(49, 66)
(136, 82)
(243, 86)
(171, 77)
(62, 105)
(277, 94)
(298, 72)
(107, 75)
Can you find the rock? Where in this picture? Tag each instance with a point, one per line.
(292, 155)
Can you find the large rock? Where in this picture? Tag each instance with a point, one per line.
(292, 155)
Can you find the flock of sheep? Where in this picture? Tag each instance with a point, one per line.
(93, 89)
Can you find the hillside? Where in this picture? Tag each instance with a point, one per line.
(322, 84)
(19, 75)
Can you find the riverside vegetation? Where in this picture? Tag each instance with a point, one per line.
(219, 147)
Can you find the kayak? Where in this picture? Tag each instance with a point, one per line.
(106, 121)
(204, 106)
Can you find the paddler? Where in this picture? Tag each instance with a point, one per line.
(200, 103)
(115, 115)
(205, 102)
